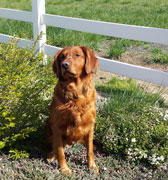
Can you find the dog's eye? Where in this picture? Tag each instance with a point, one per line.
(63, 56)
(77, 55)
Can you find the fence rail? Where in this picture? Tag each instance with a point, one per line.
(40, 20)
(16, 14)
(140, 33)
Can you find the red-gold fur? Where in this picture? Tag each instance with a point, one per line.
(73, 109)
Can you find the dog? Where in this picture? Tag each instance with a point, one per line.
(73, 108)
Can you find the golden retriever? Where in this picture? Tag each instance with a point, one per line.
(73, 108)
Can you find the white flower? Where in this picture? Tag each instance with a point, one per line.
(133, 140)
(161, 114)
(127, 139)
(164, 167)
(154, 160)
(165, 117)
(154, 155)
(105, 168)
(145, 155)
(161, 158)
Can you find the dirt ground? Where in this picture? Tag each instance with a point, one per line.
(137, 56)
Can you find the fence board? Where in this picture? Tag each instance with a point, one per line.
(23, 42)
(16, 14)
(135, 72)
(147, 34)
(51, 50)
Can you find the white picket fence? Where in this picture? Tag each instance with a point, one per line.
(40, 20)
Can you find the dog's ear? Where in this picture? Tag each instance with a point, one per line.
(56, 64)
(91, 62)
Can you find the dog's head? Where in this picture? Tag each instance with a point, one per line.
(74, 61)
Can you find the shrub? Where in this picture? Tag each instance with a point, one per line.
(24, 94)
(132, 123)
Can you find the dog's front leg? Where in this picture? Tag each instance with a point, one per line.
(59, 151)
(90, 154)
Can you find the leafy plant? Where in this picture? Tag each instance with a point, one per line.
(24, 93)
(132, 123)
(118, 47)
(15, 154)
(158, 56)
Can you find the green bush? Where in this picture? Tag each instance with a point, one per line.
(25, 86)
(132, 123)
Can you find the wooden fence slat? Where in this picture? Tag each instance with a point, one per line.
(136, 72)
(140, 33)
(16, 14)
(23, 42)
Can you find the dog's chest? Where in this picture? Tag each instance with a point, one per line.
(74, 134)
(76, 116)
(78, 122)
(75, 111)
(71, 92)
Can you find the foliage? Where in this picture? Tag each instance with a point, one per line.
(15, 154)
(133, 123)
(158, 56)
(24, 94)
(118, 47)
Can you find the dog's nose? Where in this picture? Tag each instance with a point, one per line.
(65, 65)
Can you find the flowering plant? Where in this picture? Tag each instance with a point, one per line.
(133, 123)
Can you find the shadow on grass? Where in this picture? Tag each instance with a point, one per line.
(34, 145)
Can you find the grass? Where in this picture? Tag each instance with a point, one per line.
(152, 13)
(118, 47)
(158, 56)
(111, 167)
(106, 10)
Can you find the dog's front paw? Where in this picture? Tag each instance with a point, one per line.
(95, 168)
(65, 170)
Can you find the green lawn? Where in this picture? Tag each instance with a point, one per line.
(151, 13)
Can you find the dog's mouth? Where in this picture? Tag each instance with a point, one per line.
(67, 72)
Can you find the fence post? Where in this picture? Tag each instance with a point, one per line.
(38, 8)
